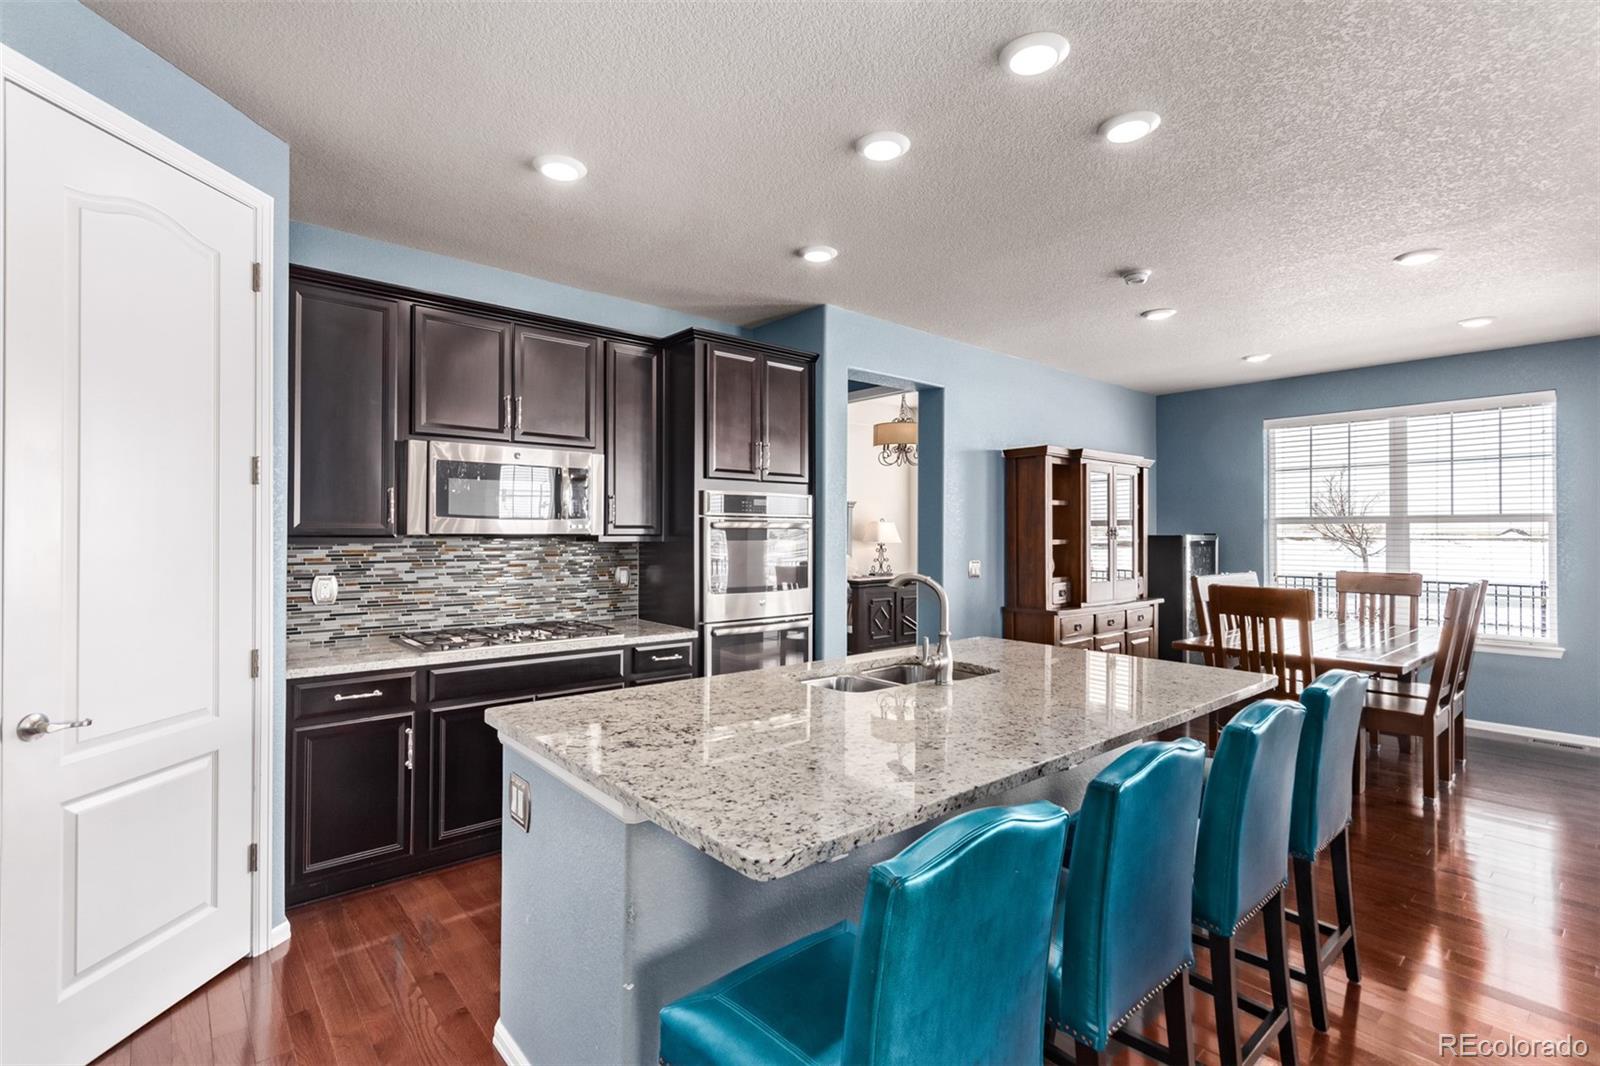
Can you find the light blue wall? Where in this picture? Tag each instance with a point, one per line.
(1212, 480)
(91, 53)
(347, 253)
(983, 402)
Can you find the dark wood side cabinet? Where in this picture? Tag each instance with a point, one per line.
(1076, 535)
(393, 772)
(758, 415)
(880, 616)
(633, 440)
(344, 355)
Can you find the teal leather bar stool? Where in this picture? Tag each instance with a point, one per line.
(947, 966)
(1320, 822)
(1122, 915)
(1239, 870)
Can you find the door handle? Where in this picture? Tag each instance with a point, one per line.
(519, 414)
(411, 747)
(391, 506)
(34, 726)
(505, 402)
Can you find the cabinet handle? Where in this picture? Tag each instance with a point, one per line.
(391, 506)
(506, 403)
(519, 414)
(340, 697)
(611, 508)
(411, 747)
(678, 657)
(766, 456)
(755, 455)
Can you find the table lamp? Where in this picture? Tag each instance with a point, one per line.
(883, 534)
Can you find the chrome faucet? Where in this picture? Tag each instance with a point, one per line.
(941, 660)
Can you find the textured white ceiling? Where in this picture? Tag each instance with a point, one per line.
(1302, 146)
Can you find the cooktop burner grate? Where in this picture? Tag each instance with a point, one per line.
(508, 633)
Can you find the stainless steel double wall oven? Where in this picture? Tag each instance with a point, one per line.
(755, 580)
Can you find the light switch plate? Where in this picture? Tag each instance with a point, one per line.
(324, 589)
(519, 802)
(974, 568)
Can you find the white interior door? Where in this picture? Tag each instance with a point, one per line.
(129, 423)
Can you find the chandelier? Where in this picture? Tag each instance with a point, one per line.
(896, 440)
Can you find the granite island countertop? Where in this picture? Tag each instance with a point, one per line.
(381, 653)
(769, 775)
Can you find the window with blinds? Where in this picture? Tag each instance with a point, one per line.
(1456, 491)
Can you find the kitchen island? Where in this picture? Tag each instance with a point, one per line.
(678, 831)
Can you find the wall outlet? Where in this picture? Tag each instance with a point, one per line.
(623, 576)
(519, 802)
(974, 568)
(324, 590)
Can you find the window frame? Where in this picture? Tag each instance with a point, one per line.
(1545, 647)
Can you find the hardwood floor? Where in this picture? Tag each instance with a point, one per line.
(1481, 917)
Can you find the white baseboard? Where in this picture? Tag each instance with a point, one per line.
(1543, 736)
(279, 934)
(506, 1045)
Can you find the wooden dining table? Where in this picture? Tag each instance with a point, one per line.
(1366, 647)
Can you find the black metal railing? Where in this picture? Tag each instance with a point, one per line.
(1509, 610)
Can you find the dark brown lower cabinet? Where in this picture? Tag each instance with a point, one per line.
(394, 772)
(880, 616)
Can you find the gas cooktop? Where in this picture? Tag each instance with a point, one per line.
(509, 633)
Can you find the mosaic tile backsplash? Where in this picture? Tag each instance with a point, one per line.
(427, 582)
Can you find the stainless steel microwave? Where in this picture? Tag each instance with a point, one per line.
(457, 487)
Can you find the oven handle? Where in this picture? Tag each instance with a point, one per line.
(763, 627)
(719, 524)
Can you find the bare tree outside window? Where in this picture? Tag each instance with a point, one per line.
(1340, 512)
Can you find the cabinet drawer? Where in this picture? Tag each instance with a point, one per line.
(664, 658)
(1141, 617)
(1085, 642)
(362, 692)
(525, 678)
(1110, 621)
(1073, 627)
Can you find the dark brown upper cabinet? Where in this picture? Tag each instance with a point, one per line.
(786, 418)
(460, 374)
(343, 362)
(733, 414)
(556, 394)
(633, 440)
(758, 416)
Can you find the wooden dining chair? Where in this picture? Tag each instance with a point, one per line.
(1378, 595)
(1249, 627)
(1418, 690)
(1431, 719)
(1202, 584)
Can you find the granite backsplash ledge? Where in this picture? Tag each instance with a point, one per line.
(386, 586)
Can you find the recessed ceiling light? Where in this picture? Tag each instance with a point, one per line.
(1418, 257)
(818, 253)
(1260, 357)
(883, 146)
(1034, 53)
(1129, 127)
(1475, 323)
(560, 167)
(1158, 314)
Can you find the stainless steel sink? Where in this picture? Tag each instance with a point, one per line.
(917, 673)
(851, 683)
(892, 676)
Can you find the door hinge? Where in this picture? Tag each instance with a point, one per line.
(255, 470)
(255, 662)
(250, 859)
(255, 277)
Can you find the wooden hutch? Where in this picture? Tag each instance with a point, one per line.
(1075, 550)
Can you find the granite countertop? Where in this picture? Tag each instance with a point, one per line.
(769, 776)
(381, 653)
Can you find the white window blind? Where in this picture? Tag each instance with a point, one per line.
(1456, 491)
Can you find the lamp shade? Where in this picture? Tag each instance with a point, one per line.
(892, 433)
(885, 532)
